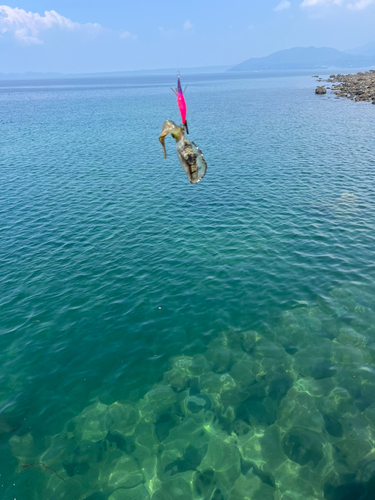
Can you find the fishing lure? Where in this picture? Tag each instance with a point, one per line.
(181, 103)
(190, 156)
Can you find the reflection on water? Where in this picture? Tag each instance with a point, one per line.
(290, 415)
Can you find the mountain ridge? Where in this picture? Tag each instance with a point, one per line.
(298, 58)
(364, 50)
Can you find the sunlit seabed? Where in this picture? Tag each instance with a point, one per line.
(291, 416)
(168, 344)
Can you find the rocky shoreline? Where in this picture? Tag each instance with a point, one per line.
(358, 87)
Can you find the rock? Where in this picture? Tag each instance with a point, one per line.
(137, 493)
(90, 424)
(320, 90)
(125, 474)
(303, 447)
(359, 87)
(121, 419)
(157, 400)
(23, 448)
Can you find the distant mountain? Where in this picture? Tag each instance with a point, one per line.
(365, 50)
(300, 58)
(143, 72)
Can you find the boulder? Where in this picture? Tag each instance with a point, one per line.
(320, 90)
(359, 87)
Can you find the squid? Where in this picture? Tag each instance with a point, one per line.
(181, 103)
(190, 156)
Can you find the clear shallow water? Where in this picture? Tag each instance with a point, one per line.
(249, 300)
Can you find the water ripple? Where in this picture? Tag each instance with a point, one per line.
(112, 264)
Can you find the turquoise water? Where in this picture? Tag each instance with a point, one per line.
(165, 341)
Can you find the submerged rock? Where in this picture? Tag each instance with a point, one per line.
(164, 425)
(198, 402)
(286, 414)
(125, 474)
(303, 447)
(190, 461)
(324, 369)
(178, 487)
(137, 493)
(333, 426)
(204, 483)
(122, 419)
(91, 425)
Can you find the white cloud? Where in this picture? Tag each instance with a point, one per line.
(188, 25)
(282, 6)
(127, 34)
(313, 3)
(362, 4)
(358, 5)
(26, 26)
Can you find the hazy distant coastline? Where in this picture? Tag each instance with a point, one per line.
(144, 72)
(294, 59)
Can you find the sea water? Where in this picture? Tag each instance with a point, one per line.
(162, 341)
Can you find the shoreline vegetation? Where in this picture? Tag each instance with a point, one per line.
(357, 87)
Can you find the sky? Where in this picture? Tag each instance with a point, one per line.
(93, 36)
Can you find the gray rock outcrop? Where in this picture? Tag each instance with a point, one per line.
(359, 87)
